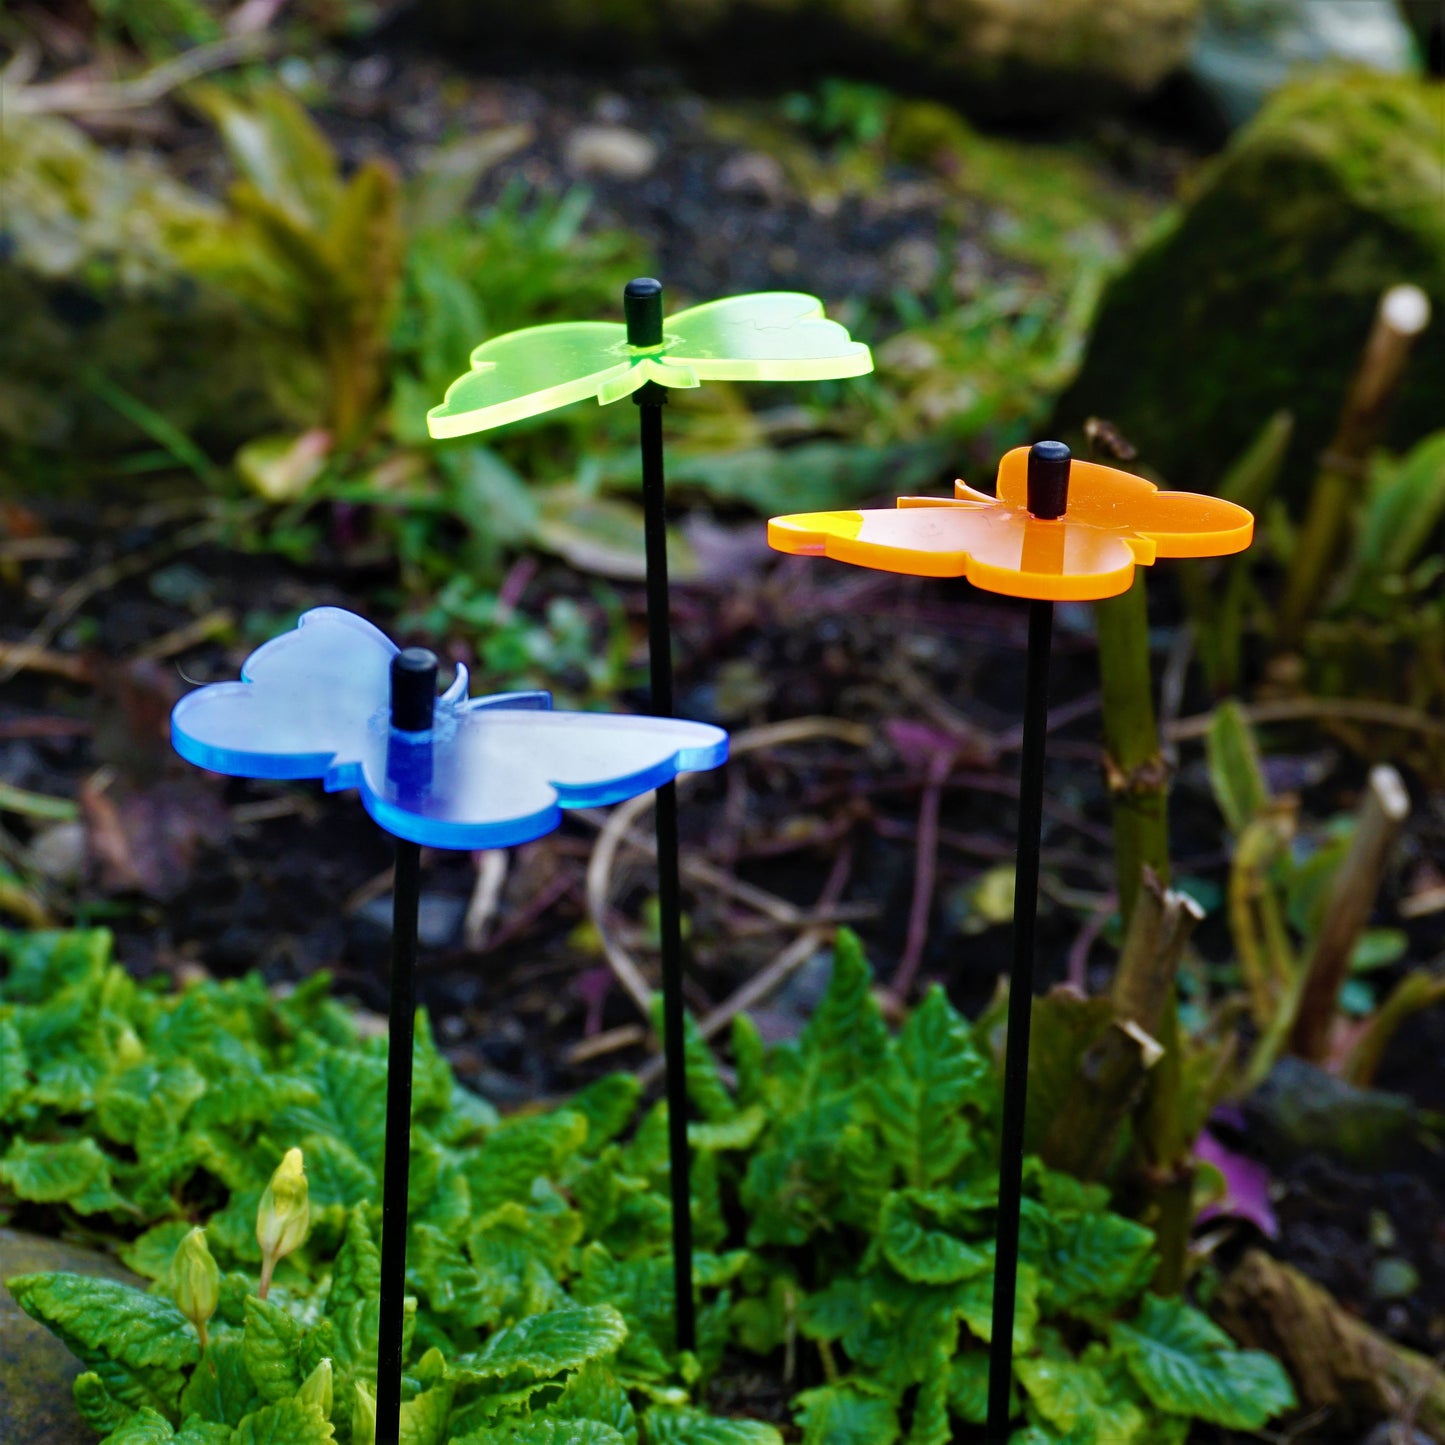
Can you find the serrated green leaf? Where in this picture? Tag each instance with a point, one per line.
(1188, 1366)
(930, 1424)
(14, 1070)
(96, 1406)
(841, 1415)
(668, 1425)
(203, 1432)
(138, 1344)
(594, 1394)
(286, 1423)
(921, 1093)
(271, 1347)
(545, 1432)
(1074, 1396)
(924, 1254)
(968, 1387)
(147, 1427)
(75, 1173)
(221, 1391)
(1093, 1262)
(608, 1104)
(846, 1038)
(548, 1344)
(424, 1417)
(356, 1274)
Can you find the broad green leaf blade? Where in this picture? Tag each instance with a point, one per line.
(271, 1348)
(764, 336)
(547, 1344)
(1188, 1366)
(841, 1415)
(138, 1344)
(289, 1423)
(667, 1425)
(921, 1252)
(145, 1428)
(529, 372)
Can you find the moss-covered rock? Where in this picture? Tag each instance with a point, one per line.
(1260, 295)
(99, 311)
(1004, 57)
(36, 1370)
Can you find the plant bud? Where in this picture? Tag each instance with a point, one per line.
(197, 1281)
(318, 1389)
(284, 1218)
(363, 1416)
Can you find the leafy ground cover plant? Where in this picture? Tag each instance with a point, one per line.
(843, 1198)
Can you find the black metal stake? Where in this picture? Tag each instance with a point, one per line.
(1048, 483)
(642, 306)
(413, 699)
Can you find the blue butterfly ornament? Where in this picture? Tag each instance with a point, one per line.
(490, 772)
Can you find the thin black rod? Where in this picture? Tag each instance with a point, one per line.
(650, 399)
(1020, 1007)
(406, 898)
(413, 701)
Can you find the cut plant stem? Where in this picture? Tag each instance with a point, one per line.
(413, 698)
(642, 305)
(1020, 1010)
(1404, 312)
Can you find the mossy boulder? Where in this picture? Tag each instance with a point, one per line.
(999, 57)
(36, 1370)
(1261, 292)
(103, 322)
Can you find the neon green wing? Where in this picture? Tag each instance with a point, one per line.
(765, 336)
(536, 370)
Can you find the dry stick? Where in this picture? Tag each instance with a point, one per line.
(1315, 709)
(486, 896)
(925, 867)
(1381, 815)
(1404, 312)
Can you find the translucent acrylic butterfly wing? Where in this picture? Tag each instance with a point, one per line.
(491, 777)
(998, 548)
(491, 772)
(764, 336)
(526, 373)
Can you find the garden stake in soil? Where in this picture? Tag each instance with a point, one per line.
(642, 306)
(771, 336)
(413, 703)
(1057, 530)
(1048, 492)
(334, 699)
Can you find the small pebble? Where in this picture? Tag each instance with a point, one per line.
(1393, 1278)
(610, 150)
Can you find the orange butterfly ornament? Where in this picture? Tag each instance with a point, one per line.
(1104, 524)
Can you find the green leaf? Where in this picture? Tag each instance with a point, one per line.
(1188, 1366)
(356, 1274)
(846, 1039)
(272, 1346)
(222, 1391)
(424, 1417)
(842, 1415)
(287, 1423)
(203, 1432)
(608, 1104)
(96, 1405)
(1235, 771)
(922, 1254)
(14, 1075)
(138, 1344)
(1093, 1262)
(666, 1425)
(1071, 1395)
(921, 1094)
(145, 1428)
(594, 1394)
(968, 1387)
(547, 1344)
(546, 1432)
(77, 1173)
(931, 1425)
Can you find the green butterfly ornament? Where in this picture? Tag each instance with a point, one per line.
(765, 336)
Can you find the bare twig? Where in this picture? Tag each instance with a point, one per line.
(486, 897)
(1381, 815)
(77, 96)
(1321, 709)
